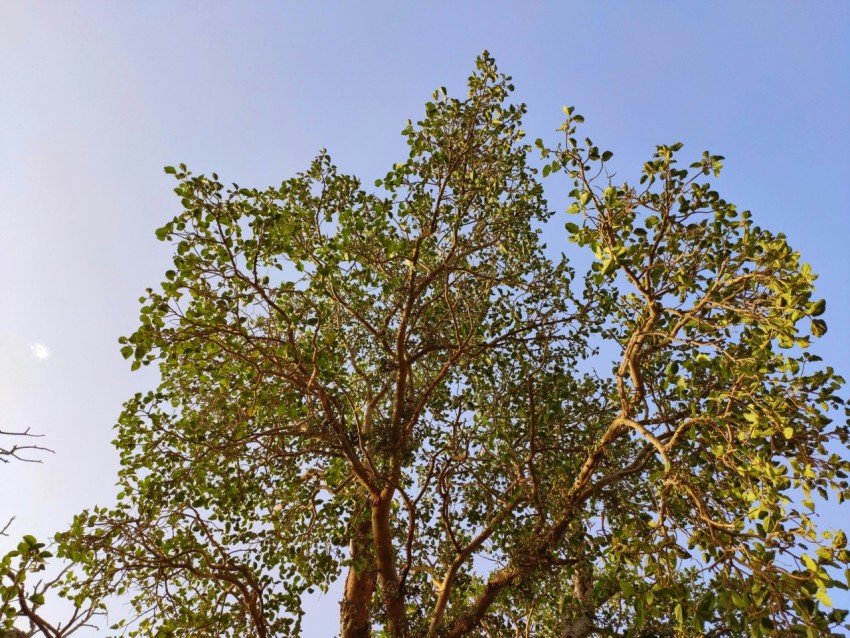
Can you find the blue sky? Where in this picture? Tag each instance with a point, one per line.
(95, 97)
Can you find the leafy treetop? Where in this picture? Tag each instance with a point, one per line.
(398, 387)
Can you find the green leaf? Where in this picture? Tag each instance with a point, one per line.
(608, 266)
(822, 596)
(818, 327)
(818, 308)
(811, 565)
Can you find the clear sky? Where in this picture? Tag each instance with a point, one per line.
(95, 97)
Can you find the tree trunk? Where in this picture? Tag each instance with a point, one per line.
(354, 610)
(582, 624)
(392, 596)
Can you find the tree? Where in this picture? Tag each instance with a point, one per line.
(20, 598)
(399, 387)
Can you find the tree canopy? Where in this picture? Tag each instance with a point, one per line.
(402, 387)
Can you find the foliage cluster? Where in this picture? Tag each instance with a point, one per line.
(401, 387)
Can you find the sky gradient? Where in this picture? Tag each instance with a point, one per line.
(96, 97)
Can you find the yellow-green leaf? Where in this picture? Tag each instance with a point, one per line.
(822, 596)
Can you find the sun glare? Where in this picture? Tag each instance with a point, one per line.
(40, 351)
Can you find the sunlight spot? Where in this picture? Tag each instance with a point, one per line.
(40, 351)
